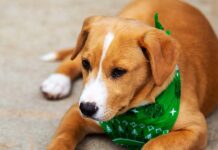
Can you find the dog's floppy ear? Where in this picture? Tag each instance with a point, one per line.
(162, 52)
(84, 35)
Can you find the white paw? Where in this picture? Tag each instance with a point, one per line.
(52, 56)
(56, 86)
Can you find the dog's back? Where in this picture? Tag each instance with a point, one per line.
(199, 45)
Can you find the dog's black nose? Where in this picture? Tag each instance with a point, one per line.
(88, 109)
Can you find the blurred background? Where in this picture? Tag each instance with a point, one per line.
(31, 28)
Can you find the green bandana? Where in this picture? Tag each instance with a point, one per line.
(138, 125)
(158, 25)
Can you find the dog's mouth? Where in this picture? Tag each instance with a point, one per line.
(108, 114)
(121, 110)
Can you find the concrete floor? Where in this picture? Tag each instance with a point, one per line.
(30, 28)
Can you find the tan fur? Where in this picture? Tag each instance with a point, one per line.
(62, 54)
(193, 46)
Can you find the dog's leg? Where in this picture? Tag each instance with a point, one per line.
(193, 136)
(58, 85)
(72, 130)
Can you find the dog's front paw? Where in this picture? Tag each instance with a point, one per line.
(56, 86)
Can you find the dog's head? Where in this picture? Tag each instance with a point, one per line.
(122, 62)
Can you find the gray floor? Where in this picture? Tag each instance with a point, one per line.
(30, 28)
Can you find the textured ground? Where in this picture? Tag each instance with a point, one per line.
(30, 28)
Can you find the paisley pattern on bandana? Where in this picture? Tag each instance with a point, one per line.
(138, 125)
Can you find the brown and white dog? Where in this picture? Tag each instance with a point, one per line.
(126, 62)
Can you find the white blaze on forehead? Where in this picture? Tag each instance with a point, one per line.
(95, 90)
(107, 41)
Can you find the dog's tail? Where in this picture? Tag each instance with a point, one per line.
(57, 56)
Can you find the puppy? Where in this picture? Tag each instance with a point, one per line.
(127, 63)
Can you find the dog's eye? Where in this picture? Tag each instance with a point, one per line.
(86, 64)
(117, 72)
